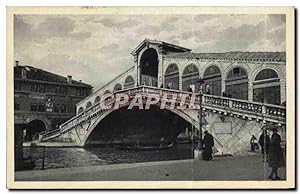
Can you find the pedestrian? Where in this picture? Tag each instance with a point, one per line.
(169, 86)
(190, 89)
(208, 143)
(264, 142)
(162, 140)
(276, 159)
(207, 89)
(253, 143)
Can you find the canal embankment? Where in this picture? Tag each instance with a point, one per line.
(249, 167)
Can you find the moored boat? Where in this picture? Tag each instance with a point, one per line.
(145, 148)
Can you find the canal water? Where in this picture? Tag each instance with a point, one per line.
(73, 157)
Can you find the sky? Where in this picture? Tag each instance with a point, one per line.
(96, 48)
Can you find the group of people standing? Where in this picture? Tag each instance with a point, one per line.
(270, 148)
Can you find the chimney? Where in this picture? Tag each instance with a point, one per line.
(69, 79)
(23, 73)
(16, 63)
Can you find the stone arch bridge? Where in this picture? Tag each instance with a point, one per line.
(243, 91)
(231, 121)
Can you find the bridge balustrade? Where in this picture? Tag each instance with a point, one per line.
(79, 119)
(216, 100)
(245, 106)
(274, 110)
(207, 100)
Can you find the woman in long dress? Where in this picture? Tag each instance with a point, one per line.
(276, 159)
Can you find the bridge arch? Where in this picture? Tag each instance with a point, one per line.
(34, 127)
(117, 87)
(266, 87)
(236, 83)
(80, 110)
(129, 82)
(212, 80)
(97, 100)
(172, 77)
(88, 105)
(185, 116)
(276, 68)
(107, 92)
(190, 76)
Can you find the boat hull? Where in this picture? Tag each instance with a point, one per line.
(146, 148)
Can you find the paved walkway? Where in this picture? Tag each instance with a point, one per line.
(227, 168)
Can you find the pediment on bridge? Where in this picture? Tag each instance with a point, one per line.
(166, 47)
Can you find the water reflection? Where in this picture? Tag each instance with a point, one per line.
(72, 157)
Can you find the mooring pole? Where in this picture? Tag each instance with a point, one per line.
(43, 161)
(199, 149)
(200, 143)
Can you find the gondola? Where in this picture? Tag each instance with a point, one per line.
(183, 141)
(146, 148)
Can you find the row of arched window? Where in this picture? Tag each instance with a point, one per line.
(266, 86)
(129, 83)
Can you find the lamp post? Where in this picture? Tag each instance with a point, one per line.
(199, 149)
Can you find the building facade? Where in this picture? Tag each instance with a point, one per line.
(43, 100)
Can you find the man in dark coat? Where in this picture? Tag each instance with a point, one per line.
(276, 158)
(264, 142)
(253, 143)
(189, 89)
(208, 143)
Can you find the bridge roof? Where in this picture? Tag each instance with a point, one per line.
(175, 48)
(33, 73)
(234, 55)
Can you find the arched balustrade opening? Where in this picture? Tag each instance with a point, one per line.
(266, 87)
(236, 83)
(190, 77)
(172, 77)
(212, 81)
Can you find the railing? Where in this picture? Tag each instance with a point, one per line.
(257, 108)
(148, 80)
(274, 110)
(207, 100)
(93, 95)
(77, 120)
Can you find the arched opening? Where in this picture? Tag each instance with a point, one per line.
(33, 129)
(212, 81)
(88, 105)
(129, 82)
(117, 87)
(190, 77)
(80, 110)
(124, 126)
(97, 100)
(172, 77)
(107, 92)
(266, 87)
(236, 83)
(149, 67)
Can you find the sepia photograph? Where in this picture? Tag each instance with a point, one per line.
(150, 97)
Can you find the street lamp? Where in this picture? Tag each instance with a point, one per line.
(199, 149)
